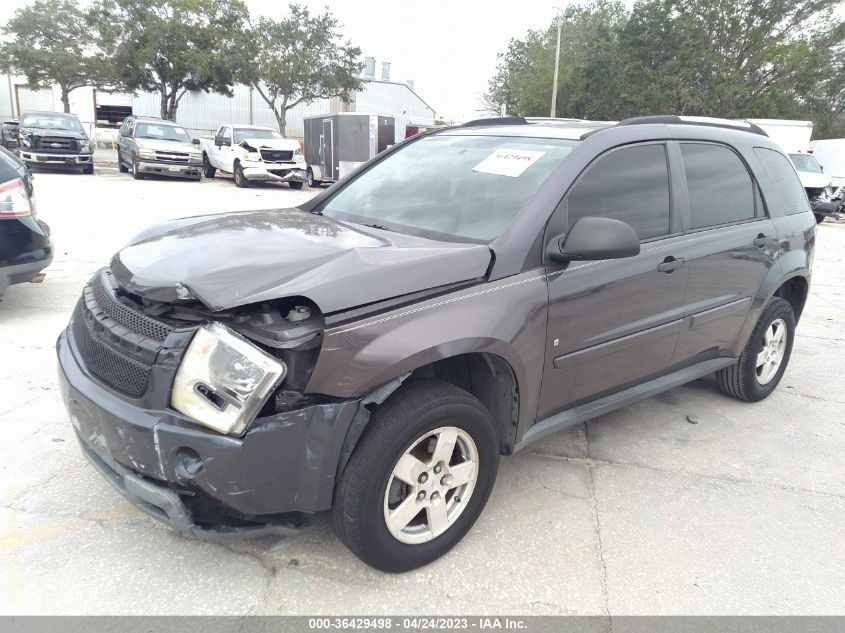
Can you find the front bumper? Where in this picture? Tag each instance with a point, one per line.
(274, 173)
(178, 170)
(832, 209)
(197, 481)
(56, 160)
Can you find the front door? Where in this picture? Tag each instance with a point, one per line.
(613, 323)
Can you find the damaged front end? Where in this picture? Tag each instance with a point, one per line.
(200, 418)
(274, 161)
(826, 203)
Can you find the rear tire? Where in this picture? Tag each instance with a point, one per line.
(208, 170)
(295, 185)
(240, 179)
(753, 377)
(121, 167)
(443, 489)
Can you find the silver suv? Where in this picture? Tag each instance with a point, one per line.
(147, 145)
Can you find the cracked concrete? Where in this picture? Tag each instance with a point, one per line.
(639, 512)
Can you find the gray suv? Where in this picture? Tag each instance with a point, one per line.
(462, 295)
(147, 145)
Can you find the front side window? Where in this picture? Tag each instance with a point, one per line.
(788, 194)
(631, 185)
(720, 188)
(450, 187)
(50, 121)
(242, 133)
(161, 132)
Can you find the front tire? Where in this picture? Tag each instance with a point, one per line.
(88, 169)
(819, 218)
(311, 181)
(240, 179)
(295, 184)
(137, 174)
(419, 477)
(765, 357)
(208, 170)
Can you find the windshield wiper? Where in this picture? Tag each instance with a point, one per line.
(379, 226)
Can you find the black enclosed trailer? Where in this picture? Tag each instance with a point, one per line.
(337, 143)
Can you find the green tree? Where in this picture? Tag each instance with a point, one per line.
(172, 46)
(298, 59)
(52, 42)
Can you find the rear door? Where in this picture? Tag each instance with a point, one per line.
(731, 245)
(614, 323)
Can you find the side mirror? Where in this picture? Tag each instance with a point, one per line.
(592, 238)
(195, 141)
(822, 168)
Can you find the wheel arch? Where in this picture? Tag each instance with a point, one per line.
(795, 290)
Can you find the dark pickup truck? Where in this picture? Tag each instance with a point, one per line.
(55, 140)
(460, 296)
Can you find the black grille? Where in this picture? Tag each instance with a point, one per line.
(277, 155)
(55, 144)
(109, 365)
(127, 316)
(117, 342)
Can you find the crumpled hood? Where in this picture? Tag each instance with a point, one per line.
(233, 259)
(813, 180)
(286, 144)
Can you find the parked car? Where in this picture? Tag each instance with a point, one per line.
(9, 134)
(25, 247)
(459, 297)
(146, 145)
(252, 153)
(11, 160)
(56, 140)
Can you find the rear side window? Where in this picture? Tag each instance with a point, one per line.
(788, 196)
(720, 189)
(631, 185)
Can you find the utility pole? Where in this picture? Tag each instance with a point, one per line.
(557, 62)
(567, 15)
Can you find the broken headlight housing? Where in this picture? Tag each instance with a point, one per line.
(224, 380)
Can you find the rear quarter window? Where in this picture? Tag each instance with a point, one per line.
(787, 196)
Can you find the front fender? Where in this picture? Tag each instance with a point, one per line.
(506, 318)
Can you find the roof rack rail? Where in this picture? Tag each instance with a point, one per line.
(672, 119)
(503, 120)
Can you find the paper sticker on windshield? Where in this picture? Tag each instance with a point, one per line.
(508, 162)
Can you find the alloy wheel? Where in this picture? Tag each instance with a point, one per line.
(770, 357)
(430, 485)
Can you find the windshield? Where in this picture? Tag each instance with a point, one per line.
(465, 188)
(52, 122)
(806, 162)
(161, 132)
(242, 133)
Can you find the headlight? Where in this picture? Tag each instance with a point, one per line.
(224, 380)
(146, 154)
(298, 157)
(24, 141)
(253, 156)
(84, 146)
(196, 158)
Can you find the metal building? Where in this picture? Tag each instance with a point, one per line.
(201, 113)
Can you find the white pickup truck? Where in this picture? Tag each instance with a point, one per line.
(253, 153)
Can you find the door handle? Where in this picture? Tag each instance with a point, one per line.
(670, 265)
(761, 241)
